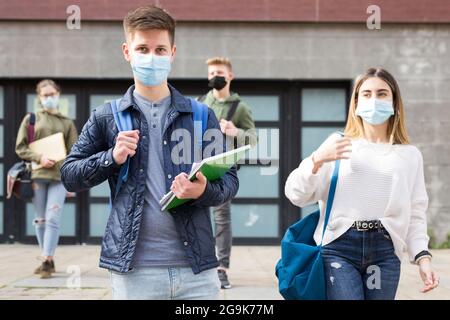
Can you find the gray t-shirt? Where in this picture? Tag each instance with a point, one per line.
(159, 243)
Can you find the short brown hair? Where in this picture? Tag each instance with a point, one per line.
(149, 17)
(47, 82)
(219, 60)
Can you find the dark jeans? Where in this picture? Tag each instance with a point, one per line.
(361, 265)
(222, 219)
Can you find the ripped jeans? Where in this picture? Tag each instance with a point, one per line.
(48, 200)
(361, 265)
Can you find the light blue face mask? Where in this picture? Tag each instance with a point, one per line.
(151, 70)
(374, 111)
(50, 102)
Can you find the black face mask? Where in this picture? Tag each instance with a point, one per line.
(217, 83)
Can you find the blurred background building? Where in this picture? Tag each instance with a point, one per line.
(294, 61)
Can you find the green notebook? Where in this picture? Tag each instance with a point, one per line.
(212, 168)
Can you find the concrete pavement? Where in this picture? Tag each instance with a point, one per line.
(252, 274)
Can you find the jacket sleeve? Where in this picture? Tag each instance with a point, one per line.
(22, 149)
(417, 237)
(223, 189)
(90, 162)
(246, 127)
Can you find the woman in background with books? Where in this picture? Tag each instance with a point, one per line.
(49, 192)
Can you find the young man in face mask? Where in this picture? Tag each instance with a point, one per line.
(238, 126)
(152, 254)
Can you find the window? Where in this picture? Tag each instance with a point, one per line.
(98, 209)
(264, 108)
(98, 217)
(255, 210)
(254, 220)
(67, 104)
(323, 104)
(323, 112)
(96, 100)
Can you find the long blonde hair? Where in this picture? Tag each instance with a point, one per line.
(396, 124)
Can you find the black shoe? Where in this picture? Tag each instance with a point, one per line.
(224, 283)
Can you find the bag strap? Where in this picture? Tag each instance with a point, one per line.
(331, 193)
(123, 123)
(202, 98)
(232, 110)
(30, 129)
(200, 117)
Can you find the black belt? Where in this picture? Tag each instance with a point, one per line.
(367, 225)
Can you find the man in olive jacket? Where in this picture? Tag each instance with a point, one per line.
(238, 126)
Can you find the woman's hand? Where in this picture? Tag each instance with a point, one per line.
(46, 162)
(332, 150)
(429, 277)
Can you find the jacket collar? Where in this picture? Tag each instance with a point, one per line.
(179, 102)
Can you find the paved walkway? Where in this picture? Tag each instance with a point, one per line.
(252, 274)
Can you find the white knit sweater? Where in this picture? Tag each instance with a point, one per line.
(379, 181)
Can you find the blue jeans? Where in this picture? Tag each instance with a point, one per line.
(361, 265)
(48, 200)
(161, 283)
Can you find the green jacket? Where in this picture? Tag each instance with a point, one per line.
(242, 118)
(46, 125)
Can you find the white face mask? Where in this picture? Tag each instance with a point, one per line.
(50, 102)
(150, 69)
(374, 111)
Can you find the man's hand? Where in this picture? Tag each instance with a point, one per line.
(228, 128)
(429, 277)
(46, 162)
(183, 188)
(126, 145)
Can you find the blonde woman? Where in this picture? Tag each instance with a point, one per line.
(49, 192)
(379, 207)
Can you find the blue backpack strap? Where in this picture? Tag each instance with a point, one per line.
(331, 193)
(199, 114)
(123, 123)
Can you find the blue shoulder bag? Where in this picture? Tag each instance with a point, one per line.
(300, 271)
(124, 123)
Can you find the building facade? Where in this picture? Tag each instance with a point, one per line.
(294, 63)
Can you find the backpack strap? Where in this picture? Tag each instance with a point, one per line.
(123, 123)
(30, 129)
(202, 98)
(232, 110)
(200, 117)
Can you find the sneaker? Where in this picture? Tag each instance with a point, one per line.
(46, 269)
(52, 267)
(224, 283)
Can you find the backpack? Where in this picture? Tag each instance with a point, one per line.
(124, 123)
